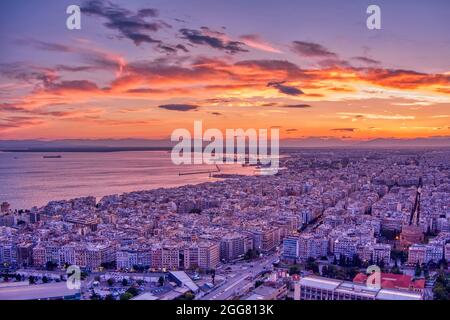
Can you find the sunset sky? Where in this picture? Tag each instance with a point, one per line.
(142, 68)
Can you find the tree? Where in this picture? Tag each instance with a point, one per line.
(50, 265)
(111, 282)
(95, 296)
(312, 265)
(332, 271)
(418, 270)
(335, 262)
(124, 282)
(108, 265)
(251, 254)
(294, 270)
(126, 296)
(426, 271)
(139, 268)
(396, 270)
(351, 273)
(341, 274)
(324, 271)
(133, 291)
(356, 261)
(213, 275)
(110, 297)
(32, 280)
(189, 295)
(44, 279)
(161, 281)
(443, 264)
(440, 292)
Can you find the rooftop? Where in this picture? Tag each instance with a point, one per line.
(57, 290)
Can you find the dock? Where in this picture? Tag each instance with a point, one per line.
(210, 172)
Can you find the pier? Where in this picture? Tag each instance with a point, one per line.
(210, 172)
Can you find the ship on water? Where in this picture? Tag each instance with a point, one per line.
(52, 157)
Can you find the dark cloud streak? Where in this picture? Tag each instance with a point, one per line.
(310, 49)
(201, 38)
(130, 25)
(179, 107)
(289, 90)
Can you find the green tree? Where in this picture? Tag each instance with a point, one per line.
(332, 271)
(251, 254)
(95, 296)
(189, 295)
(126, 296)
(335, 262)
(133, 291)
(110, 297)
(418, 270)
(294, 270)
(351, 273)
(50, 265)
(324, 271)
(356, 261)
(111, 282)
(124, 282)
(440, 292)
(396, 270)
(341, 274)
(312, 265)
(426, 271)
(161, 281)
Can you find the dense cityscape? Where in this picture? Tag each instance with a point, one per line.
(315, 231)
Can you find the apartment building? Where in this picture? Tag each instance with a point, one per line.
(208, 255)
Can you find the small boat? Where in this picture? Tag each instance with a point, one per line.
(52, 157)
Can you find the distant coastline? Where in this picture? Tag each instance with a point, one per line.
(88, 149)
(121, 145)
(168, 149)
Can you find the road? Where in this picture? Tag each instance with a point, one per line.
(242, 279)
